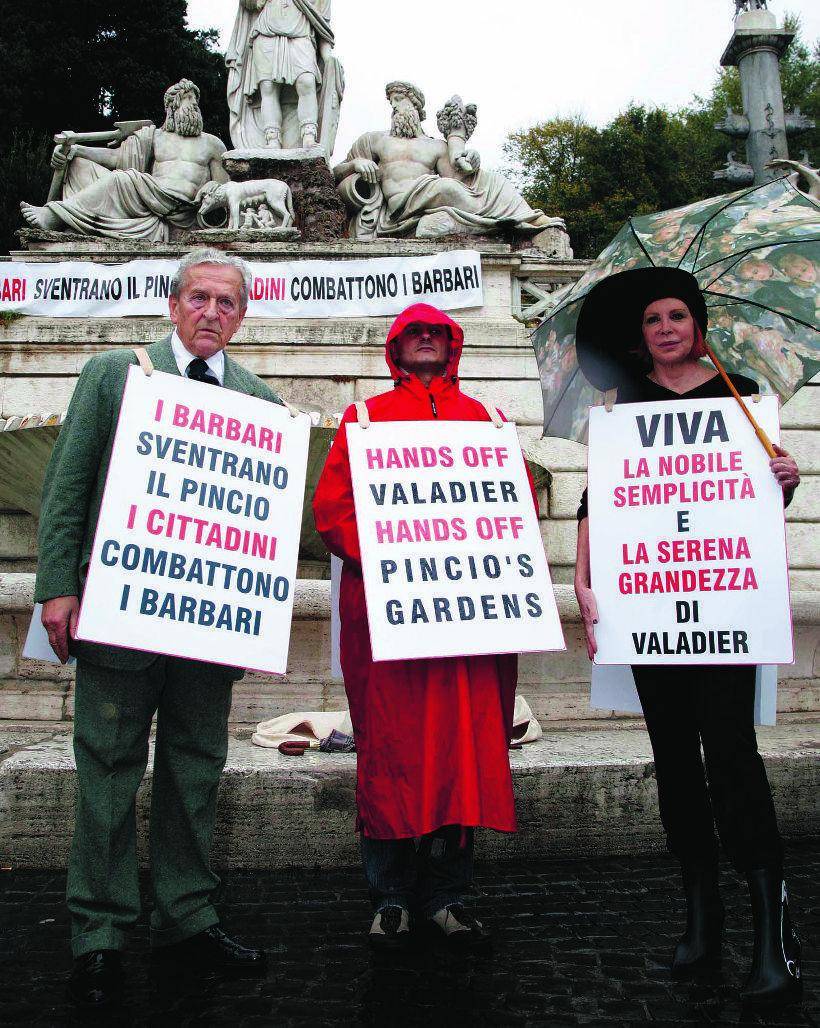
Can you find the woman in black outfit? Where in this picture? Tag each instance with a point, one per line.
(644, 330)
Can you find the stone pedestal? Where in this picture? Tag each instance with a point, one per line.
(224, 236)
(553, 243)
(320, 213)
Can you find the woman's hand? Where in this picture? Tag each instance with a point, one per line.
(785, 470)
(589, 615)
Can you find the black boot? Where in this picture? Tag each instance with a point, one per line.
(699, 948)
(775, 975)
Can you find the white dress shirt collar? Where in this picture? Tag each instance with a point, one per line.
(183, 357)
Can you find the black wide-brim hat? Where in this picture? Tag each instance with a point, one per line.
(608, 337)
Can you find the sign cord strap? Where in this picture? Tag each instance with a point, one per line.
(362, 414)
(144, 360)
(494, 416)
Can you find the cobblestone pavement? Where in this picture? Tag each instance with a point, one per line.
(581, 942)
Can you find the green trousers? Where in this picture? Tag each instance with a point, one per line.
(112, 723)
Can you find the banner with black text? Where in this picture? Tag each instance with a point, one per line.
(360, 288)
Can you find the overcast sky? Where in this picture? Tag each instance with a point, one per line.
(522, 61)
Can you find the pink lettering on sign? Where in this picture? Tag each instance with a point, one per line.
(268, 289)
(13, 289)
(410, 457)
(485, 456)
(210, 423)
(499, 527)
(185, 528)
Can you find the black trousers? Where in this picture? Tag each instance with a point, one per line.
(713, 707)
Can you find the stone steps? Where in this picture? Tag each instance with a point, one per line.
(556, 685)
(588, 792)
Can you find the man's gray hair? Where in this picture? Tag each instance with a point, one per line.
(208, 255)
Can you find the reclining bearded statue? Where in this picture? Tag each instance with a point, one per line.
(406, 183)
(143, 188)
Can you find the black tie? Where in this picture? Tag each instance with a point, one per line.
(199, 371)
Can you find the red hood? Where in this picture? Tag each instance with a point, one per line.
(430, 316)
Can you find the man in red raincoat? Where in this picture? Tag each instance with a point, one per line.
(432, 735)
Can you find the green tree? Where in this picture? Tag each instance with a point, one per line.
(647, 159)
(597, 178)
(800, 75)
(83, 64)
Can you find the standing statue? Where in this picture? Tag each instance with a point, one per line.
(144, 187)
(754, 5)
(404, 182)
(285, 86)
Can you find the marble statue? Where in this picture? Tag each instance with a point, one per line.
(403, 182)
(265, 218)
(142, 188)
(285, 86)
(237, 198)
(754, 5)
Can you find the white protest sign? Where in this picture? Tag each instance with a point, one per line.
(363, 288)
(198, 535)
(452, 555)
(37, 646)
(687, 535)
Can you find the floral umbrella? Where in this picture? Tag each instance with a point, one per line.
(756, 256)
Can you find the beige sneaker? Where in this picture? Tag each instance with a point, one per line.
(390, 929)
(459, 927)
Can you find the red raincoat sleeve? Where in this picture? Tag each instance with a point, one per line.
(333, 508)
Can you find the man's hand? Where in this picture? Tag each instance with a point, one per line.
(59, 158)
(468, 163)
(325, 50)
(589, 615)
(784, 469)
(473, 158)
(60, 621)
(368, 170)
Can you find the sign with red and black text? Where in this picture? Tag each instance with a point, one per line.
(452, 556)
(197, 539)
(687, 535)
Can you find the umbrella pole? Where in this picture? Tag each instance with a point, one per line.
(761, 435)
